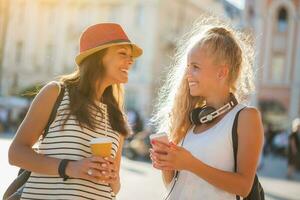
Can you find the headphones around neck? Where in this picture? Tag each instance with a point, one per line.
(207, 114)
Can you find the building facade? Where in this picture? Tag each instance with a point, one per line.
(275, 25)
(42, 39)
(4, 4)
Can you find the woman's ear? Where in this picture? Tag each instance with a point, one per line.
(223, 72)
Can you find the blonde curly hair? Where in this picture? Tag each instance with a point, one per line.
(228, 46)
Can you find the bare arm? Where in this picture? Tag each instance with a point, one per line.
(20, 152)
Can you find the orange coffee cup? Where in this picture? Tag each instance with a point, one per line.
(101, 146)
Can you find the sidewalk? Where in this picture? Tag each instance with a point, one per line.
(141, 181)
(276, 186)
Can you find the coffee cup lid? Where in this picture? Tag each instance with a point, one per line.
(101, 140)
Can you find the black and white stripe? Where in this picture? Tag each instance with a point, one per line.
(72, 142)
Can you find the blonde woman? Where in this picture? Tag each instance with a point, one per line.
(213, 69)
(92, 107)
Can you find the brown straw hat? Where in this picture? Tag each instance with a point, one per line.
(101, 36)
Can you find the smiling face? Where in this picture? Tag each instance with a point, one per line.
(204, 76)
(117, 62)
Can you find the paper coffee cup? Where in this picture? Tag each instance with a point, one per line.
(101, 146)
(163, 137)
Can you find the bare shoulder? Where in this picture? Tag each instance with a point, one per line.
(249, 113)
(50, 89)
(44, 101)
(38, 114)
(250, 122)
(48, 93)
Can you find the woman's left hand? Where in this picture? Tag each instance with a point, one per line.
(113, 177)
(174, 158)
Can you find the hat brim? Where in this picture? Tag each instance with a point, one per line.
(136, 51)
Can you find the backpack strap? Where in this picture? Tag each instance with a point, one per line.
(235, 141)
(54, 109)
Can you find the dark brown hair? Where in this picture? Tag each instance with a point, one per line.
(81, 85)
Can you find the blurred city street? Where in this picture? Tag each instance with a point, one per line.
(140, 174)
(41, 39)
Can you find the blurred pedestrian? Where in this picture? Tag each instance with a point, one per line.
(214, 75)
(270, 135)
(135, 121)
(3, 119)
(294, 149)
(92, 106)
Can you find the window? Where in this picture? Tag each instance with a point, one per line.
(36, 65)
(278, 68)
(49, 58)
(282, 20)
(251, 12)
(14, 84)
(19, 51)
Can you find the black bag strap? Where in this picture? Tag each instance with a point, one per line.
(54, 109)
(16, 184)
(235, 141)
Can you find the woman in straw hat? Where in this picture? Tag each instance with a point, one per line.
(92, 106)
(204, 94)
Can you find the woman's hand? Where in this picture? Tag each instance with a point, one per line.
(113, 174)
(170, 157)
(101, 169)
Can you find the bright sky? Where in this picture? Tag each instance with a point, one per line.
(238, 3)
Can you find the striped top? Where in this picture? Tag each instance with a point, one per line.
(71, 142)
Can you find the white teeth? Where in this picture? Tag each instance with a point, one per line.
(124, 70)
(192, 83)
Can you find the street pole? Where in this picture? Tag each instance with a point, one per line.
(4, 9)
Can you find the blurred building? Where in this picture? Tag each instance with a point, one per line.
(42, 39)
(276, 27)
(3, 27)
(173, 19)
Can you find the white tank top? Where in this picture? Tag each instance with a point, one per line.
(214, 148)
